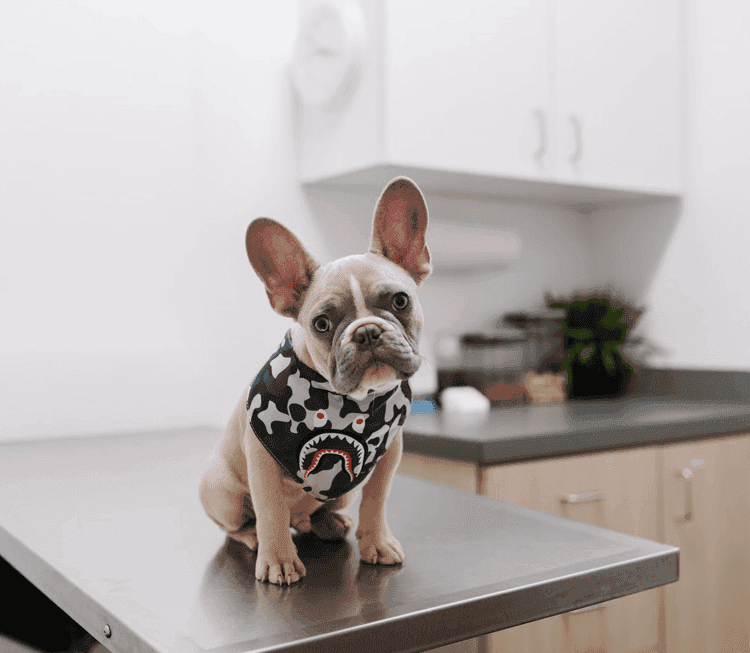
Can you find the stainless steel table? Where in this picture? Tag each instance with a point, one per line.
(112, 530)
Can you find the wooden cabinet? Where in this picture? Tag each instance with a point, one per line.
(616, 490)
(577, 92)
(694, 495)
(708, 610)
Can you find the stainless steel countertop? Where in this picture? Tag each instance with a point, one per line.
(525, 432)
(112, 530)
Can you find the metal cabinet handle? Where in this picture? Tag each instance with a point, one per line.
(542, 125)
(687, 475)
(596, 495)
(578, 138)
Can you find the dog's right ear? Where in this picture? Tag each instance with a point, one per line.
(400, 226)
(284, 266)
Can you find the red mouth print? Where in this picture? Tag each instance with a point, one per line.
(347, 461)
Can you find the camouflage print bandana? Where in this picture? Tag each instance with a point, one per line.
(328, 442)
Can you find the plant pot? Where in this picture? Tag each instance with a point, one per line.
(592, 380)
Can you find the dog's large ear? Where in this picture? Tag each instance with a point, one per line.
(400, 226)
(282, 263)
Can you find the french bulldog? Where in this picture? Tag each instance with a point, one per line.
(322, 419)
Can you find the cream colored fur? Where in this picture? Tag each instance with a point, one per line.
(240, 466)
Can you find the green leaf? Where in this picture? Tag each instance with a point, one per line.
(613, 318)
(608, 356)
(587, 353)
(578, 334)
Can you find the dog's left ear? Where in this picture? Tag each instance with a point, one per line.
(400, 226)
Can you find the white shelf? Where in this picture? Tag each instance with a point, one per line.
(470, 184)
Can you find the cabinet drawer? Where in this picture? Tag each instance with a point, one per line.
(617, 490)
(453, 473)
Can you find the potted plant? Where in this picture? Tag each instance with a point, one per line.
(595, 333)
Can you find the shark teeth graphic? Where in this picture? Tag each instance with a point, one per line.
(332, 443)
(347, 461)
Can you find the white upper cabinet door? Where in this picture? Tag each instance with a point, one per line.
(617, 82)
(467, 86)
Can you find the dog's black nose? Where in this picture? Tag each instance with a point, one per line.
(367, 334)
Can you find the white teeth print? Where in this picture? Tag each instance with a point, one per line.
(309, 446)
(318, 441)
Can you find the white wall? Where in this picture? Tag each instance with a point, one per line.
(137, 140)
(628, 244)
(697, 294)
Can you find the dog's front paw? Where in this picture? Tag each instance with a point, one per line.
(279, 565)
(379, 547)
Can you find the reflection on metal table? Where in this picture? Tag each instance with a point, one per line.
(111, 529)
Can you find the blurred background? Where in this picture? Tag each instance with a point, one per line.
(138, 139)
(568, 151)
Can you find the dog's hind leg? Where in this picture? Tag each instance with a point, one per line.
(328, 524)
(227, 502)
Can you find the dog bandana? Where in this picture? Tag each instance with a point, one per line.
(328, 442)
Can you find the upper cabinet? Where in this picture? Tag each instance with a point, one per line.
(576, 100)
(468, 87)
(617, 89)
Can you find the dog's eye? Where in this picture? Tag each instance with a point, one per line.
(322, 324)
(400, 301)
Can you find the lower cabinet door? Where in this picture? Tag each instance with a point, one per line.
(617, 490)
(707, 514)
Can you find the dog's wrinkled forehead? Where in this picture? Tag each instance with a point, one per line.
(351, 284)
